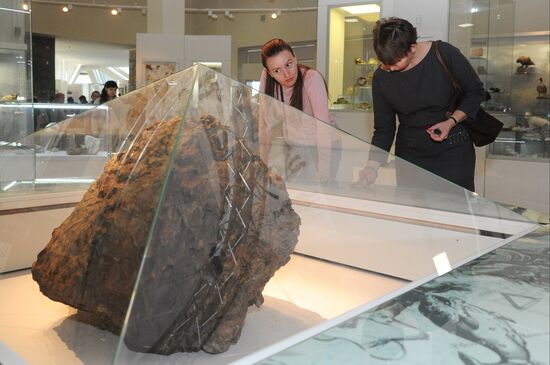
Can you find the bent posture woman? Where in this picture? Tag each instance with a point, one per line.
(411, 84)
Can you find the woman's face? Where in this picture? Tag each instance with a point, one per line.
(111, 92)
(283, 67)
(401, 64)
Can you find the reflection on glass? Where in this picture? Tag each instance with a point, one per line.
(352, 62)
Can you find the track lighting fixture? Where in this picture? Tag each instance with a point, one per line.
(228, 15)
(67, 8)
(25, 6)
(275, 14)
(116, 11)
(212, 15)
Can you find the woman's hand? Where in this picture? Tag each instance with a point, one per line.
(440, 131)
(368, 175)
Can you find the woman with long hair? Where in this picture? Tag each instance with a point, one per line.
(305, 89)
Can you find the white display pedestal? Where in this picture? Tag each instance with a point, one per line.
(303, 293)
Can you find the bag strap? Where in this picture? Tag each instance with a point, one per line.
(456, 85)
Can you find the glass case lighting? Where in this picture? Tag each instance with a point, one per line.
(351, 19)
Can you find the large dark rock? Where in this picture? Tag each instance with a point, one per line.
(188, 218)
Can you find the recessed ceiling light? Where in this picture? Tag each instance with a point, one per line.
(362, 9)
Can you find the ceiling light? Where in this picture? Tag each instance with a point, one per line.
(275, 14)
(474, 10)
(362, 9)
(25, 6)
(67, 8)
(351, 19)
(116, 11)
(229, 15)
(466, 25)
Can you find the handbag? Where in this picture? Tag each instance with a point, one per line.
(485, 128)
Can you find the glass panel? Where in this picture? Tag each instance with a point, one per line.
(218, 205)
(495, 307)
(207, 193)
(515, 70)
(352, 61)
(16, 71)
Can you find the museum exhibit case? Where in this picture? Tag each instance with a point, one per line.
(515, 69)
(351, 57)
(218, 224)
(495, 309)
(16, 69)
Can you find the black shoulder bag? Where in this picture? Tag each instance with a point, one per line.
(485, 128)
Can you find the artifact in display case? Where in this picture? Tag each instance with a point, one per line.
(207, 194)
(227, 226)
(525, 62)
(362, 90)
(542, 89)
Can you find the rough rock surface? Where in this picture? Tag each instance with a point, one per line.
(204, 220)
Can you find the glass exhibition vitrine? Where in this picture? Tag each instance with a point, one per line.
(351, 58)
(16, 119)
(203, 225)
(514, 67)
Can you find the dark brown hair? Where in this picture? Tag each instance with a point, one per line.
(393, 38)
(104, 97)
(273, 48)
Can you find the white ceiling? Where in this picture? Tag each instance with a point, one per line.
(101, 54)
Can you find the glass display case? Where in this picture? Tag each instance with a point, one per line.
(351, 58)
(514, 67)
(16, 120)
(212, 200)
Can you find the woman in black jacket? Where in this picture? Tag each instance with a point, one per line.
(412, 85)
